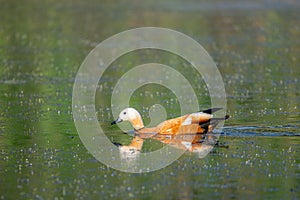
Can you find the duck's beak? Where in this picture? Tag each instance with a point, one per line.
(116, 121)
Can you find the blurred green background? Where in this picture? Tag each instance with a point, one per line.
(256, 46)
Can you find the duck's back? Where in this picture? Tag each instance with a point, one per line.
(181, 128)
(186, 124)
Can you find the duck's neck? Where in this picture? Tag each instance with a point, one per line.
(137, 123)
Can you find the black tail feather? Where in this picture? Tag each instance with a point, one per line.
(211, 110)
(213, 122)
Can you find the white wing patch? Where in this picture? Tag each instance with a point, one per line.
(187, 121)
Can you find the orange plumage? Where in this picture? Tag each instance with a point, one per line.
(184, 132)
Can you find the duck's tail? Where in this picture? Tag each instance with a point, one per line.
(212, 123)
(211, 110)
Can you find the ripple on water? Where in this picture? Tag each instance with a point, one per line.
(278, 130)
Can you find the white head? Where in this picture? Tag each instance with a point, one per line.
(131, 115)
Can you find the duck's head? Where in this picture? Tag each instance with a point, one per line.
(131, 115)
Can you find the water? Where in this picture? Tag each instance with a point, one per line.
(255, 45)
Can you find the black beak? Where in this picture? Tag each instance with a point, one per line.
(116, 121)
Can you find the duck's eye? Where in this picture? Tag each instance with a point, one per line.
(124, 113)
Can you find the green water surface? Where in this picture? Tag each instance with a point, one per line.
(256, 46)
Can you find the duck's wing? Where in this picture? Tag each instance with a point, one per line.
(171, 126)
(184, 125)
(196, 123)
(183, 129)
(197, 118)
(192, 123)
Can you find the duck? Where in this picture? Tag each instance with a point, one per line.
(185, 132)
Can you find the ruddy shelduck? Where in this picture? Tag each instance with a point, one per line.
(185, 132)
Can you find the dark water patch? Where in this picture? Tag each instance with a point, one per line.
(246, 131)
